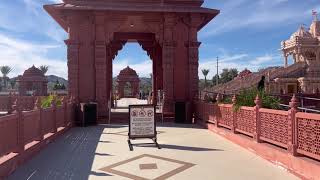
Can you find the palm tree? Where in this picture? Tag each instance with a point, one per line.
(5, 70)
(205, 72)
(44, 69)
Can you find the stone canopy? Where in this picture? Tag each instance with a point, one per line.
(34, 80)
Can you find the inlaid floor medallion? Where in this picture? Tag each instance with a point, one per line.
(145, 167)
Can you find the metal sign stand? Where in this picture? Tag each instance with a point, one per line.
(143, 113)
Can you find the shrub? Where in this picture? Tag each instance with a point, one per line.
(247, 97)
(47, 101)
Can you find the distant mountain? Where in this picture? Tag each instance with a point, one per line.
(52, 79)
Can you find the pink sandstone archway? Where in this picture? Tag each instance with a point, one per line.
(166, 29)
(130, 76)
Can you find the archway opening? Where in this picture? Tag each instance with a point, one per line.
(133, 81)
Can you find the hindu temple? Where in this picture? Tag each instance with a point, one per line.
(302, 76)
(33, 81)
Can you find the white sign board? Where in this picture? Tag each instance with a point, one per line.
(142, 121)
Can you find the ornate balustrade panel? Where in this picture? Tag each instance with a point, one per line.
(60, 116)
(47, 120)
(274, 126)
(308, 134)
(225, 115)
(245, 120)
(31, 125)
(8, 134)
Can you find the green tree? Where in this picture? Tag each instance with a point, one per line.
(44, 69)
(214, 80)
(5, 70)
(228, 74)
(205, 72)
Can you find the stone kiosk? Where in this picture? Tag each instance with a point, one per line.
(166, 30)
(33, 81)
(128, 76)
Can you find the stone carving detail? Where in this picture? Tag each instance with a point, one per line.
(274, 128)
(309, 135)
(226, 116)
(245, 121)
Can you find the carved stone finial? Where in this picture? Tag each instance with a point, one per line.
(218, 98)
(37, 104)
(234, 99)
(15, 105)
(257, 101)
(294, 103)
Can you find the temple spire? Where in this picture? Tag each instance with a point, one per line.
(315, 15)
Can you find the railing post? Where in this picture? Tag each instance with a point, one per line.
(257, 124)
(234, 114)
(54, 115)
(292, 126)
(65, 111)
(73, 112)
(217, 114)
(17, 109)
(37, 106)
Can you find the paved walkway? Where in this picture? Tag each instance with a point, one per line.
(125, 102)
(187, 153)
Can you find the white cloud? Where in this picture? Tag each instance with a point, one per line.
(143, 68)
(21, 55)
(258, 14)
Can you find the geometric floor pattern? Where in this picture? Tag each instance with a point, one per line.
(145, 167)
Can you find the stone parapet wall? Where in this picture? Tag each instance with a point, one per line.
(295, 131)
(23, 133)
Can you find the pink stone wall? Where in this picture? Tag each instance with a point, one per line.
(26, 102)
(308, 134)
(298, 132)
(8, 134)
(245, 121)
(22, 130)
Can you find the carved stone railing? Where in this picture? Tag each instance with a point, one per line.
(21, 130)
(295, 131)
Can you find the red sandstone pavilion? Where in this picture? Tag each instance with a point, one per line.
(166, 29)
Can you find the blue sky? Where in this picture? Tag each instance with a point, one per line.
(246, 34)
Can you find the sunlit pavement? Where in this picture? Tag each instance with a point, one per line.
(188, 152)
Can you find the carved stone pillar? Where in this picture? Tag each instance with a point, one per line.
(168, 57)
(101, 77)
(101, 66)
(168, 76)
(73, 68)
(193, 53)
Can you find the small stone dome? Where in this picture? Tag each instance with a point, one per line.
(244, 73)
(33, 71)
(128, 72)
(33, 74)
(301, 32)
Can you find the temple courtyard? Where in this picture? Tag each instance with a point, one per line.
(187, 152)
